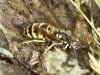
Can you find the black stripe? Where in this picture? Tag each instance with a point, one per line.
(36, 32)
(30, 30)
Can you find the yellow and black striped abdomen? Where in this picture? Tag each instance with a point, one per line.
(32, 32)
(36, 30)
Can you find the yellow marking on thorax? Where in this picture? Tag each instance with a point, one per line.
(65, 42)
(56, 35)
(60, 36)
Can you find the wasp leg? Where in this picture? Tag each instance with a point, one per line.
(31, 41)
(56, 48)
(66, 47)
(47, 50)
(75, 53)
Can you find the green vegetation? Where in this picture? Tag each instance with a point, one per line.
(3, 73)
(3, 28)
(95, 64)
(98, 3)
(4, 51)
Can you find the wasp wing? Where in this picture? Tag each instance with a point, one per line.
(47, 35)
(45, 18)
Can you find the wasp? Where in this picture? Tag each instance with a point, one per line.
(47, 32)
(43, 32)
